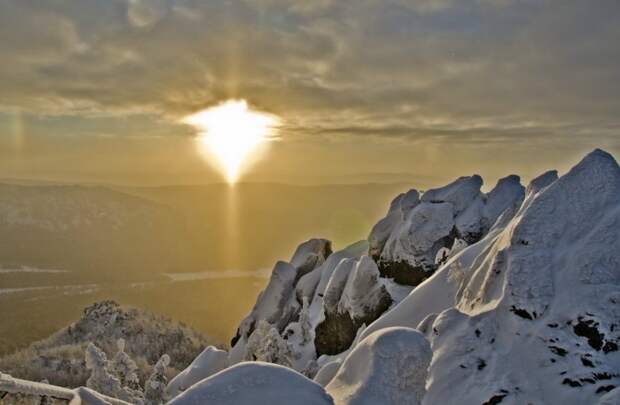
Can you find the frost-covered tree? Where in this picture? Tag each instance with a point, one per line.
(266, 344)
(155, 386)
(100, 380)
(125, 368)
(103, 381)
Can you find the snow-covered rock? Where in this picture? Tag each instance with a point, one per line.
(310, 255)
(399, 208)
(360, 300)
(409, 245)
(517, 291)
(255, 383)
(529, 314)
(275, 304)
(388, 367)
(209, 362)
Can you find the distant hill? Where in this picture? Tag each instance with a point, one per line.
(131, 232)
(60, 358)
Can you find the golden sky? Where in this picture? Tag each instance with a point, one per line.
(424, 91)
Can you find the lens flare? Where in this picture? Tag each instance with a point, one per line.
(230, 133)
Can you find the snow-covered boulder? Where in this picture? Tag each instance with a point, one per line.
(360, 298)
(410, 245)
(388, 367)
(275, 304)
(279, 303)
(399, 208)
(310, 254)
(255, 383)
(209, 362)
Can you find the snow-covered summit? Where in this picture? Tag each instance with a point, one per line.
(515, 296)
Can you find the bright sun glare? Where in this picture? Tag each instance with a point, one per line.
(231, 132)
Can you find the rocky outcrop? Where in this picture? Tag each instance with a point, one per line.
(513, 287)
(414, 238)
(354, 297)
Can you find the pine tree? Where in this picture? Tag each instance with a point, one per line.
(155, 386)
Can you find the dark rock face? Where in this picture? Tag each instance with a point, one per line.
(337, 332)
(403, 273)
(406, 274)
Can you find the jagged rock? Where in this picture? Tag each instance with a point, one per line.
(309, 255)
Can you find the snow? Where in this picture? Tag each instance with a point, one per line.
(336, 284)
(399, 208)
(310, 255)
(79, 396)
(209, 362)
(274, 303)
(362, 292)
(459, 193)
(388, 367)
(611, 398)
(507, 194)
(327, 372)
(530, 299)
(255, 383)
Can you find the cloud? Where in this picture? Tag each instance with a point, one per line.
(143, 13)
(375, 68)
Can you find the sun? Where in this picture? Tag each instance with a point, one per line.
(231, 133)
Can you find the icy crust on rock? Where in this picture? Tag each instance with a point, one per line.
(388, 367)
(255, 383)
(410, 244)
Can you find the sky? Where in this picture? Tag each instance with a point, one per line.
(394, 90)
